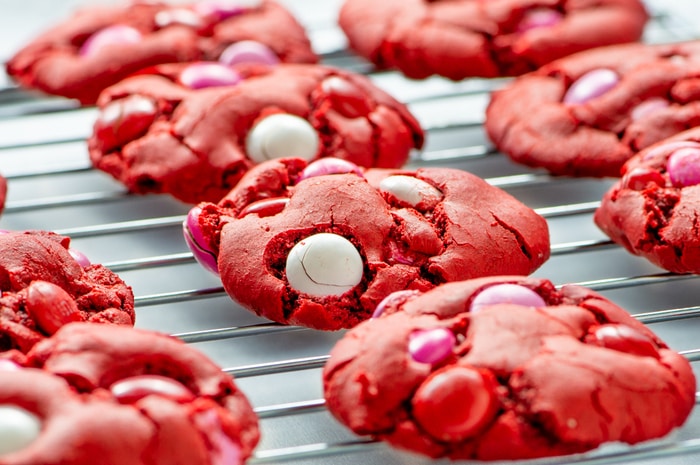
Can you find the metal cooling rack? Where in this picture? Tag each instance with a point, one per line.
(53, 187)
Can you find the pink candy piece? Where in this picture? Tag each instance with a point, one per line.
(8, 365)
(194, 238)
(118, 34)
(248, 51)
(591, 85)
(431, 345)
(265, 207)
(201, 75)
(329, 165)
(683, 167)
(641, 178)
(395, 298)
(223, 450)
(79, 257)
(134, 388)
(539, 17)
(506, 294)
(648, 107)
(221, 9)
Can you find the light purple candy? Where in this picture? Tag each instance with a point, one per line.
(201, 75)
(8, 365)
(683, 167)
(591, 85)
(431, 345)
(223, 450)
(648, 107)
(196, 242)
(248, 51)
(395, 298)
(79, 257)
(119, 34)
(540, 17)
(329, 165)
(506, 294)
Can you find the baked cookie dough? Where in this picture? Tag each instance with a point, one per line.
(506, 368)
(321, 244)
(487, 38)
(101, 45)
(193, 130)
(586, 114)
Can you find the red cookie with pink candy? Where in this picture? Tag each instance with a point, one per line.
(101, 45)
(652, 210)
(465, 38)
(506, 368)
(46, 284)
(585, 115)
(194, 130)
(124, 396)
(321, 244)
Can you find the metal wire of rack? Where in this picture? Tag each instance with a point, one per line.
(52, 186)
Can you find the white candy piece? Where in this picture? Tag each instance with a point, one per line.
(18, 428)
(282, 135)
(324, 264)
(410, 190)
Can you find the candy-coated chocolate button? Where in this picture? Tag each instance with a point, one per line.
(329, 165)
(248, 51)
(625, 339)
(455, 403)
(194, 238)
(18, 428)
(683, 167)
(591, 85)
(124, 120)
(324, 264)
(119, 34)
(431, 345)
(641, 178)
(648, 107)
(202, 75)
(282, 135)
(346, 98)
(539, 17)
(50, 306)
(506, 294)
(265, 207)
(395, 298)
(134, 388)
(181, 16)
(410, 190)
(79, 257)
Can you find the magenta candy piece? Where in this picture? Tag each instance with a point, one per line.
(130, 390)
(223, 450)
(683, 167)
(248, 51)
(539, 17)
(194, 238)
(591, 85)
(431, 345)
(119, 34)
(79, 257)
(8, 365)
(329, 165)
(506, 294)
(648, 107)
(201, 75)
(395, 298)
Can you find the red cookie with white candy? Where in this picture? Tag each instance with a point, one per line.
(585, 115)
(193, 130)
(506, 368)
(652, 210)
(101, 45)
(115, 395)
(464, 38)
(321, 244)
(45, 284)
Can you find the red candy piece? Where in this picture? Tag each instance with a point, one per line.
(265, 207)
(130, 390)
(456, 402)
(625, 339)
(50, 306)
(346, 97)
(641, 178)
(124, 120)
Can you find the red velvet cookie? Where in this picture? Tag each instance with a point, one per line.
(488, 38)
(99, 46)
(321, 244)
(115, 395)
(46, 284)
(585, 115)
(194, 130)
(653, 209)
(506, 368)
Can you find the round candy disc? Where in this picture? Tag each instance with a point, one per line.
(18, 428)
(507, 294)
(591, 85)
(118, 34)
(282, 135)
